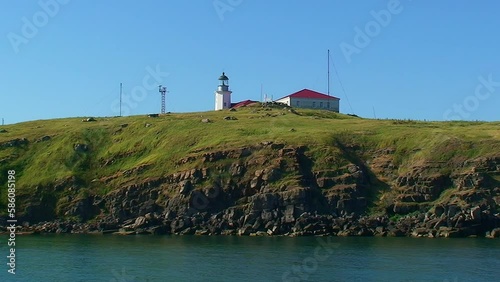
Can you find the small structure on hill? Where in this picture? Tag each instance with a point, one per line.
(310, 99)
(242, 104)
(223, 94)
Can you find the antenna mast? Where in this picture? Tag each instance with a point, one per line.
(261, 93)
(121, 87)
(328, 91)
(163, 92)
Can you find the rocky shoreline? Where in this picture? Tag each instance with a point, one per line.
(449, 223)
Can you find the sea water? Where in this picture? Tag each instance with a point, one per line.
(231, 258)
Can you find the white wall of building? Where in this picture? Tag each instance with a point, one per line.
(310, 103)
(285, 100)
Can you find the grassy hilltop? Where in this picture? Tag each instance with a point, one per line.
(60, 161)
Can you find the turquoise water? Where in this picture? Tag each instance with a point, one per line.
(193, 258)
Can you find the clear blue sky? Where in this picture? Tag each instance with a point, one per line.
(422, 63)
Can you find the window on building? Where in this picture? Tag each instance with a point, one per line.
(314, 104)
(328, 105)
(321, 104)
(297, 103)
(225, 104)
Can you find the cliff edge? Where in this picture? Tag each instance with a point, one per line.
(261, 170)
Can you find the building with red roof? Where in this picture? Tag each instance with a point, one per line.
(310, 99)
(242, 104)
(304, 98)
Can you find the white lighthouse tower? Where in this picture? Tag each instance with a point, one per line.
(223, 95)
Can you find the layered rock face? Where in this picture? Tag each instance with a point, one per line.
(277, 189)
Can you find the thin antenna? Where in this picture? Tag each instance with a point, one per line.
(121, 88)
(3, 122)
(374, 115)
(328, 72)
(342, 85)
(261, 95)
(163, 91)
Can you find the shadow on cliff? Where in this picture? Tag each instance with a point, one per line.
(352, 150)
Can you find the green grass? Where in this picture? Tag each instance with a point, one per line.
(331, 138)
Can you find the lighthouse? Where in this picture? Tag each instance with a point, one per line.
(223, 94)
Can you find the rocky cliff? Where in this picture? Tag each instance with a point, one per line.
(355, 179)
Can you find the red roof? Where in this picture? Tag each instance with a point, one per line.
(306, 93)
(242, 103)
